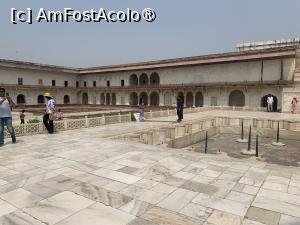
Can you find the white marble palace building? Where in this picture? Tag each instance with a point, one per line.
(241, 78)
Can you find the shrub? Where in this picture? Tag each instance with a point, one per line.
(33, 120)
(132, 116)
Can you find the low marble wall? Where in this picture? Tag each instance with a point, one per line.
(189, 133)
(69, 124)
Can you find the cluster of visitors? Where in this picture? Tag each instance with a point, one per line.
(6, 105)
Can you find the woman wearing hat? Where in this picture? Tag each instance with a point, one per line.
(50, 113)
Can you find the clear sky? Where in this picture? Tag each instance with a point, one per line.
(182, 28)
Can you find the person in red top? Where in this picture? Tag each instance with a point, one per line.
(294, 104)
(22, 116)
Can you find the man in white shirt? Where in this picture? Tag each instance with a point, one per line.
(6, 104)
(50, 113)
(270, 102)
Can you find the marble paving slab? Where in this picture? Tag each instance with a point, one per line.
(278, 180)
(275, 186)
(136, 207)
(230, 206)
(163, 188)
(280, 196)
(131, 163)
(199, 187)
(240, 197)
(177, 200)
(19, 218)
(115, 186)
(197, 211)
(58, 207)
(6, 208)
(117, 176)
(140, 221)
(98, 214)
(289, 220)
(277, 206)
(102, 195)
(252, 222)
(146, 183)
(20, 198)
(223, 218)
(263, 216)
(152, 197)
(163, 217)
(41, 190)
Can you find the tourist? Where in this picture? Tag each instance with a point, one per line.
(50, 113)
(270, 102)
(142, 110)
(59, 115)
(294, 104)
(22, 116)
(180, 103)
(6, 103)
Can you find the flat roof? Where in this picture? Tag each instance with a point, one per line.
(230, 57)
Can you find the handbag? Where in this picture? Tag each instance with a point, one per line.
(52, 116)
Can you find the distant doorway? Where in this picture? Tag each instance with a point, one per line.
(237, 98)
(85, 99)
(154, 98)
(66, 99)
(144, 96)
(41, 99)
(189, 99)
(133, 99)
(199, 100)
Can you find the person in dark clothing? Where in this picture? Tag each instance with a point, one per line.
(180, 104)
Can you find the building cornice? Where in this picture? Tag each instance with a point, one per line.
(230, 57)
(4, 63)
(157, 87)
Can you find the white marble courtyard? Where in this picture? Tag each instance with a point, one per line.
(84, 177)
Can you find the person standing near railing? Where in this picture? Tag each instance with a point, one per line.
(6, 104)
(270, 102)
(22, 116)
(142, 110)
(50, 113)
(59, 115)
(294, 104)
(180, 104)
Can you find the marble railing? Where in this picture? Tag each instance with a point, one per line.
(69, 124)
(172, 112)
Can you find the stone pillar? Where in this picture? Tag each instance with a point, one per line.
(149, 99)
(86, 121)
(161, 99)
(194, 99)
(117, 99)
(98, 99)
